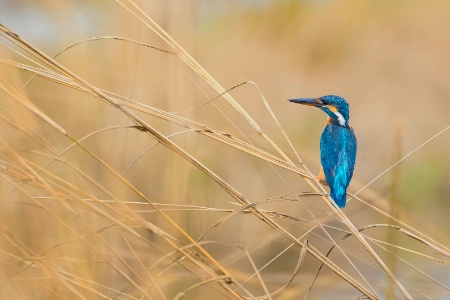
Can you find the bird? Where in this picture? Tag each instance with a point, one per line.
(337, 145)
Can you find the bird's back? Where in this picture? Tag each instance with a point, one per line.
(338, 154)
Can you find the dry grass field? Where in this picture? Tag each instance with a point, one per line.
(147, 150)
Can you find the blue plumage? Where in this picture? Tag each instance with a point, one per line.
(337, 155)
(337, 145)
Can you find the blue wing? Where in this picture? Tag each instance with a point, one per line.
(338, 155)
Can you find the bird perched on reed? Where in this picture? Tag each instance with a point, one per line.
(337, 145)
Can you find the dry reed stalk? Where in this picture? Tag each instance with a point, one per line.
(213, 271)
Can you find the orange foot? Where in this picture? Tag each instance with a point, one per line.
(321, 177)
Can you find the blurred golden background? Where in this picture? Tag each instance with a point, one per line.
(389, 59)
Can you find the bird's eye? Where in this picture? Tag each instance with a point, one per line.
(320, 101)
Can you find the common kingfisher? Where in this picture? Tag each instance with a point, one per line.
(337, 145)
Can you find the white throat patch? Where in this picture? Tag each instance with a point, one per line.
(341, 119)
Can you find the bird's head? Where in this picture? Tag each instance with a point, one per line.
(334, 106)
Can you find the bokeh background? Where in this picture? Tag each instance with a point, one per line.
(389, 59)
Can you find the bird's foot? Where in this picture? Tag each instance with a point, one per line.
(321, 176)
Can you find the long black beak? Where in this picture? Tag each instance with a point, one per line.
(308, 101)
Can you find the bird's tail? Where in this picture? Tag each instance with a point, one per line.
(339, 196)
